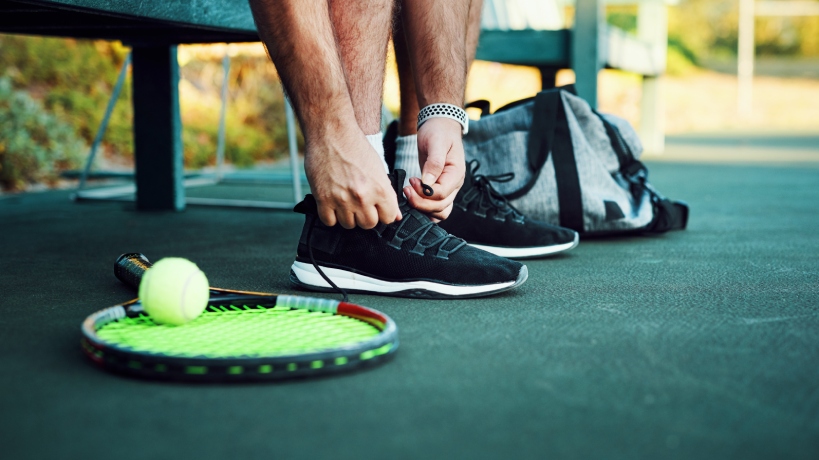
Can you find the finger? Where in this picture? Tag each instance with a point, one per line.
(345, 219)
(434, 164)
(388, 211)
(450, 180)
(426, 205)
(367, 217)
(327, 215)
(447, 184)
(418, 187)
(443, 215)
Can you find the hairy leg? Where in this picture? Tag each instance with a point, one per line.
(435, 45)
(409, 101)
(345, 173)
(362, 29)
(406, 83)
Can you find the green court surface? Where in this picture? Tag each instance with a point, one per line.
(696, 344)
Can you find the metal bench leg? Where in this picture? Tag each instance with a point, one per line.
(220, 140)
(123, 71)
(652, 27)
(588, 42)
(157, 129)
(295, 169)
(652, 115)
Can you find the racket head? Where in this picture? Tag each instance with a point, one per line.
(240, 336)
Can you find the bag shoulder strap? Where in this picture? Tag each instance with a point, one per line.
(541, 136)
(567, 179)
(629, 165)
(549, 134)
(482, 104)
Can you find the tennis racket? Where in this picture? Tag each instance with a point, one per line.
(240, 336)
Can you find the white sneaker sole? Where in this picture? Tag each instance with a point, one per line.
(305, 275)
(530, 252)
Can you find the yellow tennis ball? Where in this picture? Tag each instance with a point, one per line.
(174, 291)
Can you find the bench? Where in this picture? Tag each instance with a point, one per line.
(515, 32)
(152, 29)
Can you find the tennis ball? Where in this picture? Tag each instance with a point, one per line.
(174, 291)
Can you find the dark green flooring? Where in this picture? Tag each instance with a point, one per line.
(697, 344)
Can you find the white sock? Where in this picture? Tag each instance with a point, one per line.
(377, 141)
(406, 156)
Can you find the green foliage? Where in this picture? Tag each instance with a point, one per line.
(622, 19)
(679, 63)
(34, 145)
(255, 121)
(709, 28)
(702, 29)
(74, 79)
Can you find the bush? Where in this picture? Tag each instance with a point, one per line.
(255, 122)
(34, 145)
(73, 80)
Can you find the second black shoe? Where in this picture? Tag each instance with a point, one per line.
(486, 220)
(410, 258)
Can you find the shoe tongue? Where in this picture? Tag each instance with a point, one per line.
(468, 179)
(397, 178)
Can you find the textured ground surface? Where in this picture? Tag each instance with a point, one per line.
(696, 344)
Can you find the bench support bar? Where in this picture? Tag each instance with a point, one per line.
(157, 129)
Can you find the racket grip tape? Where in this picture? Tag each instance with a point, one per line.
(130, 267)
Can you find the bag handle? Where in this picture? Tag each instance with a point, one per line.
(482, 104)
(541, 136)
(629, 165)
(549, 134)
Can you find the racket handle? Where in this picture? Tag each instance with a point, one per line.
(130, 267)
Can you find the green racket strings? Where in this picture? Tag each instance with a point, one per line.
(240, 331)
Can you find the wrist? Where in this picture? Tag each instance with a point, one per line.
(441, 125)
(328, 124)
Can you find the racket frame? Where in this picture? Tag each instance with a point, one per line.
(201, 368)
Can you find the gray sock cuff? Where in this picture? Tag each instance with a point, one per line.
(406, 156)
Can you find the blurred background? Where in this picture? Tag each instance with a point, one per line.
(53, 94)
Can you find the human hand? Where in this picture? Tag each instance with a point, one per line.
(441, 155)
(348, 181)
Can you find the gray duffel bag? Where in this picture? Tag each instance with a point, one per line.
(570, 166)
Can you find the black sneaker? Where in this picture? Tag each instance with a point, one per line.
(486, 220)
(410, 258)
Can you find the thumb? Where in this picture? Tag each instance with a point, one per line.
(434, 166)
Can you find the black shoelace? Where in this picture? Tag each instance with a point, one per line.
(486, 194)
(422, 232)
(345, 297)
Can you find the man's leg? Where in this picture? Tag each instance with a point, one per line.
(407, 144)
(362, 30)
(345, 172)
(330, 56)
(509, 234)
